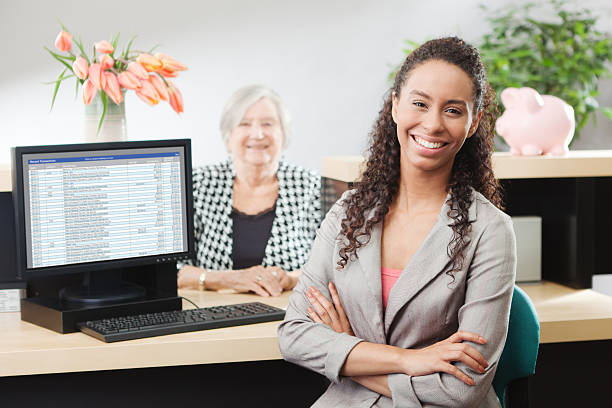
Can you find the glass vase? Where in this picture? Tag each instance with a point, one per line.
(113, 127)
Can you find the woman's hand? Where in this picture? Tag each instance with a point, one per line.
(286, 281)
(324, 312)
(262, 280)
(265, 281)
(438, 357)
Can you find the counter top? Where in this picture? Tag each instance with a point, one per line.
(565, 315)
(28, 349)
(577, 163)
(568, 314)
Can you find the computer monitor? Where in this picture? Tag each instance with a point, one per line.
(100, 208)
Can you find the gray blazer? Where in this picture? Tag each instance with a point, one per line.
(425, 306)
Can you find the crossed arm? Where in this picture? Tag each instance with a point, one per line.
(369, 363)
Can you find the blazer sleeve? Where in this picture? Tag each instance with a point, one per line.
(313, 345)
(486, 311)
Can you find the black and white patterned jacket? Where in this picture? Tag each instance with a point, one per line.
(298, 215)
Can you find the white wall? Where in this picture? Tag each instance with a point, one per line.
(329, 61)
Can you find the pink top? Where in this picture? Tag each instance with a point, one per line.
(389, 277)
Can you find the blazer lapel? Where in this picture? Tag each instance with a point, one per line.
(370, 263)
(426, 264)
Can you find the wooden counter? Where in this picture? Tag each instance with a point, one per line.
(566, 315)
(577, 163)
(28, 349)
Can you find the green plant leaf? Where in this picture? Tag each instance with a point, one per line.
(104, 98)
(114, 42)
(153, 49)
(57, 57)
(57, 85)
(60, 78)
(127, 48)
(79, 44)
(606, 111)
(62, 25)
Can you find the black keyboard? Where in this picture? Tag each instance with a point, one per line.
(179, 321)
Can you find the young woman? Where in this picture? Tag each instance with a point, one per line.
(405, 298)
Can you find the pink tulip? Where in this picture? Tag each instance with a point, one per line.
(96, 75)
(168, 74)
(129, 81)
(112, 88)
(159, 86)
(137, 69)
(149, 62)
(104, 47)
(169, 63)
(80, 67)
(89, 92)
(106, 62)
(63, 42)
(148, 94)
(175, 98)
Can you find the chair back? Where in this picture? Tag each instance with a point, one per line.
(520, 353)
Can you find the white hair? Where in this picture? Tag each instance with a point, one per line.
(242, 100)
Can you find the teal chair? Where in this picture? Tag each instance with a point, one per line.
(518, 360)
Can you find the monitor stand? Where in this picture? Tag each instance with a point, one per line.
(101, 288)
(136, 290)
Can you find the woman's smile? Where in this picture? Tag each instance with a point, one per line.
(434, 145)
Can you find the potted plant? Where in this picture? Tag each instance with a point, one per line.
(564, 56)
(111, 74)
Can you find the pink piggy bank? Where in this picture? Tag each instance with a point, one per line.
(535, 124)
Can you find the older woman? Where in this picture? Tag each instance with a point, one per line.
(255, 215)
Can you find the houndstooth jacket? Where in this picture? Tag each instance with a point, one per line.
(297, 217)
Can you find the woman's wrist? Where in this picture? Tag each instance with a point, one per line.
(215, 279)
(373, 359)
(404, 360)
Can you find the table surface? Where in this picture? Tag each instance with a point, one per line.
(28, 349)
(565, 315)
(568, 314)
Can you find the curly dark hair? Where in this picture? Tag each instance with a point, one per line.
(471, 169)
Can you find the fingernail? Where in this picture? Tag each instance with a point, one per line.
(483, 340)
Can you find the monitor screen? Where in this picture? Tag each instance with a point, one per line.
(97, 203)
